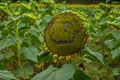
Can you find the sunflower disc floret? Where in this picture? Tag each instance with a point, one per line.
(65, 33)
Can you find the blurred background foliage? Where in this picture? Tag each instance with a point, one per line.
(70, 1)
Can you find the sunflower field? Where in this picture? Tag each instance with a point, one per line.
(51, 41)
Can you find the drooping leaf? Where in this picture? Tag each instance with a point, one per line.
(79, 75)
(43, 52)
(30, 16)
(7, 42)
(52, 73)
(30, 53)
(96, 55)
(7, 75)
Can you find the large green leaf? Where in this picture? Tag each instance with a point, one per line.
(44, 74)
(7, 75)
(52, 73)
(30, 53)
(110, 43)
(115, 53)
(2, 56)
(65, 73)
(24, 72)
(116, 34)
(7, 42)
(79, 75)
(96, 55)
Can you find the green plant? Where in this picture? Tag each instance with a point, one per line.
(21, 36)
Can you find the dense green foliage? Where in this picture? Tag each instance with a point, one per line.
(22, 54)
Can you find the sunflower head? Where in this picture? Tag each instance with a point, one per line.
(66, 33)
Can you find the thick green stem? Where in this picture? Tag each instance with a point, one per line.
(18, 46)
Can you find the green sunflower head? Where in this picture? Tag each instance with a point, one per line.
(66, 33)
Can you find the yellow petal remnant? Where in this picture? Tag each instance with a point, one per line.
(61, 57)
(68, 58)
(55, 56)
(46, 48)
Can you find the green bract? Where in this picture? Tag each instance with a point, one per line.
(66, 33)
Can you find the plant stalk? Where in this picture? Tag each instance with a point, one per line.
(18, 46)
